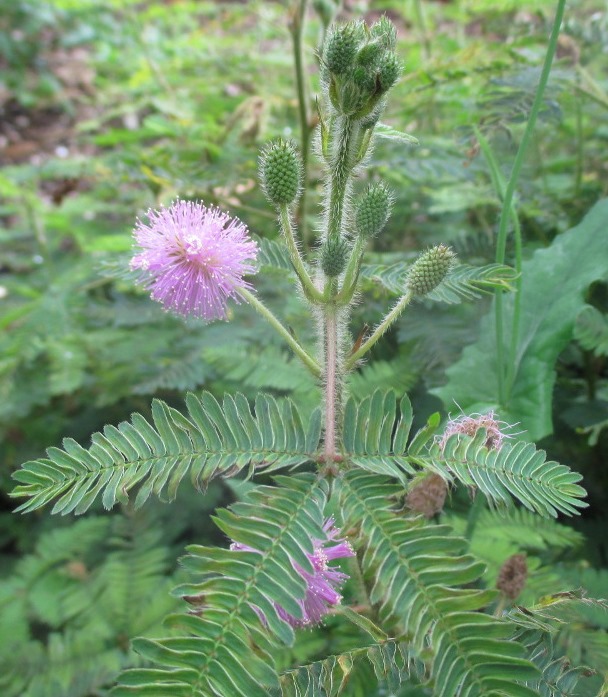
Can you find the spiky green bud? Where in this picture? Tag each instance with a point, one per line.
(430, 269)
(333, 257)
(389, 71)
(364, 79)
(280, 171)
(384, 30)
(341, 48)
(373, 210)
(370, 54)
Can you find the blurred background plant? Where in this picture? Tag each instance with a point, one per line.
(108, 108)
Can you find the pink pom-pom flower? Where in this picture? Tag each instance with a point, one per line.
(195, 258)
(322, 585)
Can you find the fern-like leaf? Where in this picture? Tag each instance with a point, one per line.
(273, 254)
(359, 672)
(211, 441)
(464, 283)
(516, 469)
(420, 576)
(523, 528)
(228, 651)
(370, 438)
(399, 375)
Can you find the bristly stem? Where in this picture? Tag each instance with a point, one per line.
(342, 161)
(351, 275)
(508, 202)
(331, 384)
(308, 286)
(300, 352)
(402, 303)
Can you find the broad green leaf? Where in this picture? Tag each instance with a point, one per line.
(553, 286)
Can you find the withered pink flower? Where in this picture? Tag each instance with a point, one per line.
(469, 425)
(322, 585)
(195, 258)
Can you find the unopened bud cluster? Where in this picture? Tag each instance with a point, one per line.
(373, 211)
(360, 66)
(430, 269)
(280, 170)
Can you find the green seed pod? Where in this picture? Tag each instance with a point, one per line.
(389, 71)
(430, 269)
(280, 172)
(384, 30)
(341, 48)
(333, 257)
(373, 210)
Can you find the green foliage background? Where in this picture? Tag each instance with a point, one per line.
(113, 107)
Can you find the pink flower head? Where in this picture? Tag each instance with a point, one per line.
(195, 256)
(322, 584)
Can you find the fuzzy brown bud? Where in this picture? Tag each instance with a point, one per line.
(512, 576)
(427, 496)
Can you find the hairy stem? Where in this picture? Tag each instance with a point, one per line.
(300, 352)
(403, 302)
(331, 384)
(342, 161)
(308, 286)
(351, 275)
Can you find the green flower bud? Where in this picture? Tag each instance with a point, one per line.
(373, 210)
(341, 48)
(333, 257)
(384, 30)
(364, 79)
(430, 269)
(389, 71)
(280, 172)
(370, 54)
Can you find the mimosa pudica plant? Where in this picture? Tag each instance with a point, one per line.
(355, 485)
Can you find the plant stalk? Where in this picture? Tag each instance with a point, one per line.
(332, 384)
(300, 352)
(308, 286)
(403, 302)
(503, 387)
(342, 164)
